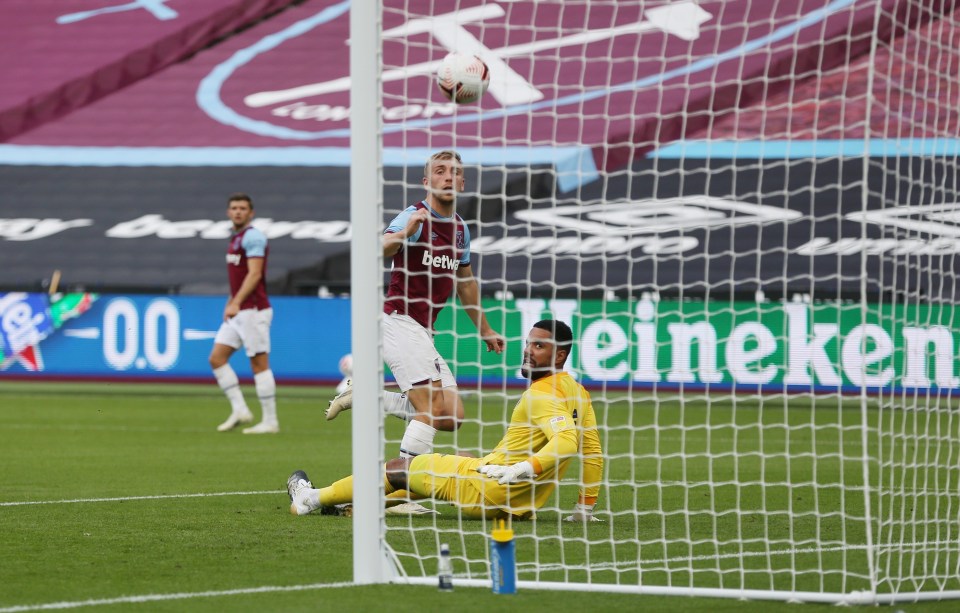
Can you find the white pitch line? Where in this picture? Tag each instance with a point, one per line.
(319, 586)
(61, 427)
(126, 498)
(657, 563)
(178, 596)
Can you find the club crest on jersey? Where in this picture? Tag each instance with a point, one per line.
(459, 239)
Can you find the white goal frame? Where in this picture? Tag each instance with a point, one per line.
(370, 557)
(374, 562)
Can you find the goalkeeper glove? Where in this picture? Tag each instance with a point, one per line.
(516, 472)
(582, 513)
(508, 474)
(494, 471)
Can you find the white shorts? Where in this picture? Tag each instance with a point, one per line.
(250, 328)
(409, 352)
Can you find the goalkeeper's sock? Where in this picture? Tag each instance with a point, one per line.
(339, 492)
(230, 384)
(400, 496)
(267, 393)
(417, 439)
(398, 405)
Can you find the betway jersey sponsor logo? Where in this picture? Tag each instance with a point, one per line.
(233, 258)
(440, 261)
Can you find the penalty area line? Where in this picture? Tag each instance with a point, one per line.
(178, 596)
(130, 498)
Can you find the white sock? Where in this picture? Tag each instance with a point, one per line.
(267, 393)
(398, 405)
(417, 439)
(230, 384)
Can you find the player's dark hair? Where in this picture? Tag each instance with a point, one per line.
(240, 196)
(560, 332)
(446, 154)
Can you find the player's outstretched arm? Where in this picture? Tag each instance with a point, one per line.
(468, 291)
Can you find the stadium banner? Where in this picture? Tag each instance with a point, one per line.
(165, 337)
(709, 230)
(748, 346)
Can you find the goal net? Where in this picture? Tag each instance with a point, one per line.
(747, 212)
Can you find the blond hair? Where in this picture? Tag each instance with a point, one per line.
(446, 154)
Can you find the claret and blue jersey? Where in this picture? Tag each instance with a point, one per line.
(248, 243)
(425, 269)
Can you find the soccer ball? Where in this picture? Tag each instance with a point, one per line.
(346, 365)
(346, 369)
(463, 78)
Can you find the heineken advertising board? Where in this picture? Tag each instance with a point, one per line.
(822, 346)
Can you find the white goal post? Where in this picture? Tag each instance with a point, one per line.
(370, 560)
(749, 213)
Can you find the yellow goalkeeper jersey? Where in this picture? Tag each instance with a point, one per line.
(553, 422)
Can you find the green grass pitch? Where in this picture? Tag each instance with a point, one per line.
(124, 497)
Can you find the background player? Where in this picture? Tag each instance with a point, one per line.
(430, 246)
(246, 322)
(552, 422)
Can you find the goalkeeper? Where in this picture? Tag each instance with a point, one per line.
(552, 422)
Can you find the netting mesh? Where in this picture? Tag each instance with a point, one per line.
(747, 213)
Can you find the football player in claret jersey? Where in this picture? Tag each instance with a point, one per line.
(553, 422)
(246, 322)
(429, 244)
